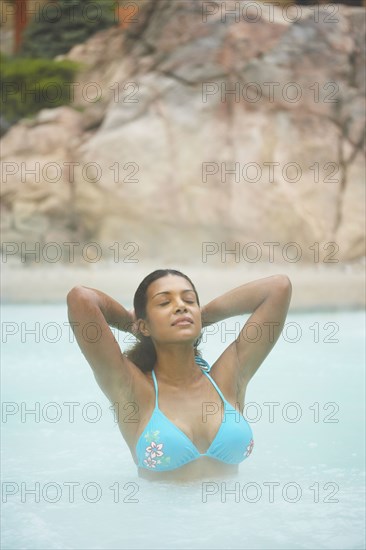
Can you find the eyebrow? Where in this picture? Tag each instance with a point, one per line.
(168, 292)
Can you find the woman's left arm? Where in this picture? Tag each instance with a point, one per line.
(268, 300)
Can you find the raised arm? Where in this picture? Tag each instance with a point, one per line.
(268, 300)
(90, 313)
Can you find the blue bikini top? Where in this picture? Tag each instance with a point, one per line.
(163, 446)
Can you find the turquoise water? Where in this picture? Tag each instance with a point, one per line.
(69, 481)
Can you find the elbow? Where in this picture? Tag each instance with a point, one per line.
(282, 283)
(73, 294)
(283, 280)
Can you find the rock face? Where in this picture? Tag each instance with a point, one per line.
(189, 129)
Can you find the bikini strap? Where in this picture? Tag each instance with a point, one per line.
(202, 363)
(205, 367)
(216, 386)
(156, 389)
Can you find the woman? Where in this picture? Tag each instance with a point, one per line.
(180, 418)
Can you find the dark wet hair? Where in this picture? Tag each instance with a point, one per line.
(143, 353)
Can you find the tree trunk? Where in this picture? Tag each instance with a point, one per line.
(20, 22)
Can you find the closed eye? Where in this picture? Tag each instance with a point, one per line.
(188, 302)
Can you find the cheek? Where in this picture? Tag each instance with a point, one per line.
(158, 320)
(197, 313)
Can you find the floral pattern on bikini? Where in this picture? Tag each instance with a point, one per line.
(249, 448)
(154, 451)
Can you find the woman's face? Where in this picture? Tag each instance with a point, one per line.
(172, 312)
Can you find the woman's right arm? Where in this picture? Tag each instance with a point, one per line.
(90, 314)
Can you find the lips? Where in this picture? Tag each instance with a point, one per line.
(183, 320)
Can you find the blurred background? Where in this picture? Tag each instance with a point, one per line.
(224, 138)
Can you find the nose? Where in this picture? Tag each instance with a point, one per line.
(180, 306)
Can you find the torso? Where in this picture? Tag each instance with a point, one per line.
(184, 409)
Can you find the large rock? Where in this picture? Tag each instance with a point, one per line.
(154, 150)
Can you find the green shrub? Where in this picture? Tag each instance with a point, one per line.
(29, 85)
(59, 26)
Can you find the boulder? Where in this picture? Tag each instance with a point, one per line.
(244, 130)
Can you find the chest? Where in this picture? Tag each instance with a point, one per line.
(198, 416)
(198, 412)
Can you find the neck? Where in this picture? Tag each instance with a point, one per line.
(175, 365)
